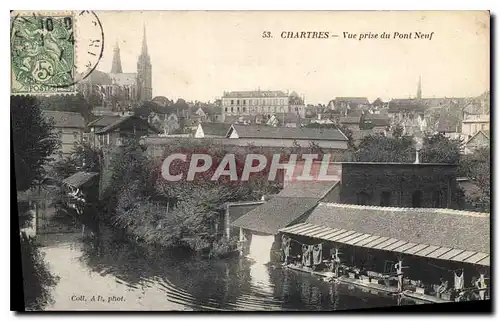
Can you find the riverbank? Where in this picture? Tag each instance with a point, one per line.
(158, 281)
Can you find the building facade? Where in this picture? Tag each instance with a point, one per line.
(69, 128)
(236, 103)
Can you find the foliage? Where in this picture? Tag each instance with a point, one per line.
(182, 213)
(397, 131)
(34, 140)
(71, 103)
(223, 247)
(476, 166)
(37, 279)
(379, 148)
(438, 148)
(84, 157)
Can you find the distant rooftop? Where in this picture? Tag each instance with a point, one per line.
(244, 131)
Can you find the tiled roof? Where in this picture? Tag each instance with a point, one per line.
(353, 100)
(215, 129)
(377, 119)
(65, 119)
(275, 214)
(104, 121)
(238, 209)
(397, 105)
(235, 119)
(80, 178)
(350, 120)
(255, 94)
(289, 133)
(312, 189)
(124, 79)
(448, 124)
(433, 226)
(98, 78)
(123, 120)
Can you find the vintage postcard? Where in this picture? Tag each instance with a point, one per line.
(251, 160)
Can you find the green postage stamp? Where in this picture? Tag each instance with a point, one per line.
(42, 53)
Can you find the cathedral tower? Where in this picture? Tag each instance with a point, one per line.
(116, 67)
(419, 88)
(144, 76)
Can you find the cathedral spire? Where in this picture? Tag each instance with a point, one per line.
(419, 88)
(116, 66)
(144, 43)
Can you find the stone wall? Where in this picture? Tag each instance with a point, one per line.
(400, 182)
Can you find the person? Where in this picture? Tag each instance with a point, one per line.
(481, 285)
(399, 271)
(442, 287)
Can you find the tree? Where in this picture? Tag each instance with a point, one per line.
(34, 140)
(476, 167)
(33, 143)
(438, 148)
(71, 103)
(83, 158)
(379, 148)
(182, 213)
(37, 278)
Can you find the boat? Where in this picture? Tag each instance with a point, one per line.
(424, 297)
(369, 285)
(311, 271)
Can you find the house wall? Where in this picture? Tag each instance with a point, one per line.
(401, 181)
(69, 136)
(471, 127)
(199, 132)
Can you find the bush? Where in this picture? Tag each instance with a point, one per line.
(37, 279)
(223, 247)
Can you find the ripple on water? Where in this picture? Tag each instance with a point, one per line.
(166, 283)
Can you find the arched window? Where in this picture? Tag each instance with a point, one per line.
(385, 198)
(416, 199)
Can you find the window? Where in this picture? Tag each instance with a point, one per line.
(385, 198)
(232, 102)
(362, 198)
(244, 102)
(75, 135)
(237, 102)
(244, 109)
(225, 109)
(416, 199)
(232, 109)
(436, 199)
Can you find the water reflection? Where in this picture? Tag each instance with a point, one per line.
(150, 279)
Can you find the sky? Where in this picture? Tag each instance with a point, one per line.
(197, 55)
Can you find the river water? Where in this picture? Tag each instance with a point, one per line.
(110, 275)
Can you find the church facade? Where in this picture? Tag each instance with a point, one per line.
(119, 91)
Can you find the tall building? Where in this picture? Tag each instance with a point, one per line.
(144, 76)
(117, 90)
(267, 103)
(419, 88)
